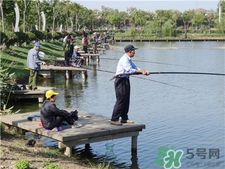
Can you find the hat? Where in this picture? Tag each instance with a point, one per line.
(50, 93)
(41, 54)
(76, 47)
(37, 44)
(129, 47)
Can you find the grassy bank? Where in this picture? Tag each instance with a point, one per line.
(13, 145)
(16, 56)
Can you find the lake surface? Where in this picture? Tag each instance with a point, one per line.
(181, 112)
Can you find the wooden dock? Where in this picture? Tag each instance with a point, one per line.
(30, 94)
(87, 57)
(49, 71)
(95, 128)
(98, 50)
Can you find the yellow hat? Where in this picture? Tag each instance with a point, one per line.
(50, 93)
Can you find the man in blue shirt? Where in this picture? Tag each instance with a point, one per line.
(122, 86)
(34, 63)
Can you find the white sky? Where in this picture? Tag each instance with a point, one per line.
(150, 5)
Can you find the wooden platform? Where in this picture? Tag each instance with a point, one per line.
(86, 56)
(49, 71)
(98, 50)
(28, 94)
(95, 128)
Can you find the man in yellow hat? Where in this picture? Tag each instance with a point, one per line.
(51, 116)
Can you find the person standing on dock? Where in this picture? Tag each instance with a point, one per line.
(122, 86)
(34, 64)
(68, 49)
(51, 116)
(94, 42)
(85, 43)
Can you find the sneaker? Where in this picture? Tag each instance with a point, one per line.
(117, 123)
(59, 128)
(127, 121)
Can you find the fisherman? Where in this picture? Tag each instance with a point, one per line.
(122, 86)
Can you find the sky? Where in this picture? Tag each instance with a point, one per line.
(150, 5)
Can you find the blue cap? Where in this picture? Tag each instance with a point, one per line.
(37, 44)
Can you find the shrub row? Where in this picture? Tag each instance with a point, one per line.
(10, 38)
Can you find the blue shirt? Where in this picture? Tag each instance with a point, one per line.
(76, 55)
(33, 59)
(125, 65)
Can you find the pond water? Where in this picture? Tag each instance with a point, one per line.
(182, 112)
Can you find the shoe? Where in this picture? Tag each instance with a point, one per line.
(30, 143)
(127, 121)
(30, 87)
(117, 123)
(59, 128)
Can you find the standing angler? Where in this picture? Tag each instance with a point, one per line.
(122, 86)
(34, 63)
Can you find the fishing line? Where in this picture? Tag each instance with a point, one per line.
(86, 67)
(146, 61)
(163, 83)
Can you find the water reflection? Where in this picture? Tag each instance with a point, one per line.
(134, 161)
(184, 111)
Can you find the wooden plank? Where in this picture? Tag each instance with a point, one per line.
(25, 94)
(96, 126)
(102, 138)
(52, 67)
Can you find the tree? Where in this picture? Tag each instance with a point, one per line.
(9, 15)
(26, 5)
(199, 19)
(2, 16)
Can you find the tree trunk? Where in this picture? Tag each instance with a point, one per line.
(38, 12)
(3, 26)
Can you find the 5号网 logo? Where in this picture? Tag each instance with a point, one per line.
(169, 158)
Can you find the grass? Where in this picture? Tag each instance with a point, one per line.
(17, 55)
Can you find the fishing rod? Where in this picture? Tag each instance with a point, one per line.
(87, 67)
(196, 73)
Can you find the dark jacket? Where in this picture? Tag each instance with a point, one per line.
(49, 112)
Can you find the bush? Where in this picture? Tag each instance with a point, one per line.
(11, 39)
(31, 37)
(56, 35)
(22, 164)
(39, 35)
(22, 37)
(48, 165)
(3, 37)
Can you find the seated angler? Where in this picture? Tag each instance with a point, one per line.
(51, 116)
(77, 58)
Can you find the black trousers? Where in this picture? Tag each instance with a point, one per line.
(58, 121)
(67, 57)
(121, 107)
(85, 49)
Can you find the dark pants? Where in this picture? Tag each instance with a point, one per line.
(58, 121)
(121, 107)
(67, 58)
(85, 49)
(33, 78)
